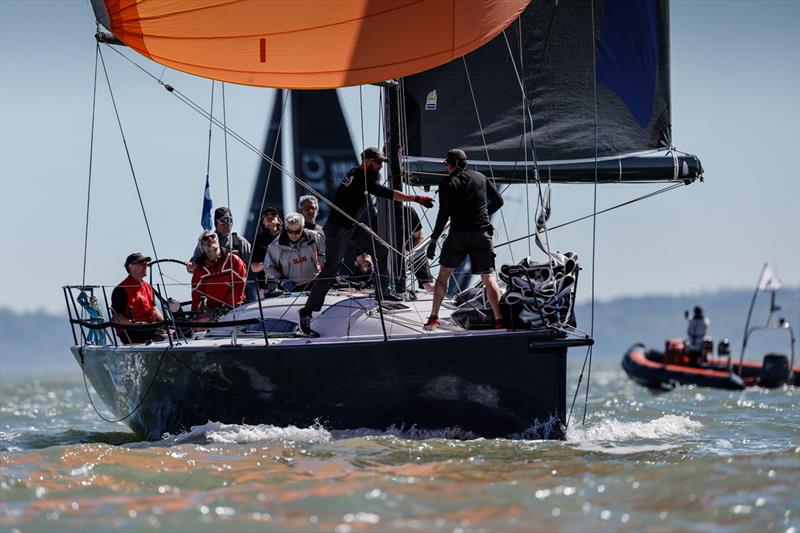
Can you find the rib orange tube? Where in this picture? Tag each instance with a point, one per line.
(305, 44)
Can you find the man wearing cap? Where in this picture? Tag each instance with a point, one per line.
(132, 302)
(269, 228)
(463, 198)
(223, 223)
(353, 199)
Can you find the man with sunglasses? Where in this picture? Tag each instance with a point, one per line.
(132, 302)
(223, 224)
(294, 258)
(352, 200)
(218, 278)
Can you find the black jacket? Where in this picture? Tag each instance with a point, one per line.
(350, 196)
(463, 198)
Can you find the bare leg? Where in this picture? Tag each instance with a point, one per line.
(493, 292)
(440, 288)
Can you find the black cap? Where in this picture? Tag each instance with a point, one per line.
(135, 258)
(222, 212)
(373, 153)
(455, 156)
(269, 210)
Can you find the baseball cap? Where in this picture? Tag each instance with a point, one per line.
(373, 153)
(222, 212)
(455, 155)
(269, 210)
(135, 258)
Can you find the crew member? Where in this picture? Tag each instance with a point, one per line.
(295, 257)
(696, 334)
(269, 228)
(309, 208)
(218, 279)
(132, 302)
(232, 241)
(413, 237)
(463, 198)
(353, 198)
(364, 273)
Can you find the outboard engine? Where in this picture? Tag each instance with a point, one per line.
(774, 370)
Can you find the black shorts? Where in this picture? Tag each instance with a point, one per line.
(477, 243)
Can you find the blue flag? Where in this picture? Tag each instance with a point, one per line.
(205, 218)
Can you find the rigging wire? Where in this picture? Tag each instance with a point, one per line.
(524, 133)
(617, 206)
(540, 199)
(133, 175)
(485, 146)
(589, 351)
(91, 157)
(376, 263)
(138, 404)
(225, 141)
(285, 98)
(247, 144)
(594, 212)
(210, 126)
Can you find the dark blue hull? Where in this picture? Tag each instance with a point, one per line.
(491, 385)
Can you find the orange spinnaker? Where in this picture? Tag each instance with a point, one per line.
(305, 44)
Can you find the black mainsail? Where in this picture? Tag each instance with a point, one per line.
(547, 68)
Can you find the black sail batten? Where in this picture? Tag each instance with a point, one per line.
(558, 72)
(323, 149)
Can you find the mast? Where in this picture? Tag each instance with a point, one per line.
(391, 92)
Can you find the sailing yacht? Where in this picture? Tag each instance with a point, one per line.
(535, 94)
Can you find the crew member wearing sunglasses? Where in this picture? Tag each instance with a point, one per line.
(295, 257)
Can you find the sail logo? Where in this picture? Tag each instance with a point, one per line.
(430, 101)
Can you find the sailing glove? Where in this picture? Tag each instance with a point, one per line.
(426, 201)
(432, 249)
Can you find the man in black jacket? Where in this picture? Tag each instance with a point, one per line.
(352, 200)
(463, 198)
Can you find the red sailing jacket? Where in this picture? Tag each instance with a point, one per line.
(213, 281)
(134, 300)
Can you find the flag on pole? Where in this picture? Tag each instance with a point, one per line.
(769, 281)
(205, 218)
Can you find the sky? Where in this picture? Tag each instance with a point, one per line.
(735, 103)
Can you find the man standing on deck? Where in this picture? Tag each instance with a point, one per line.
(463, 198)
(353, 199)
(132, 302)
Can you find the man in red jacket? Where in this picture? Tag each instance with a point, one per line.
(132, 302)
(219, 278)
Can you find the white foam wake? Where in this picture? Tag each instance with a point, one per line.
(613, 430)
(244, 433)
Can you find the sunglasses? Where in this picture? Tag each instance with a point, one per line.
(225, 220)
(294, 231)
(209, 238)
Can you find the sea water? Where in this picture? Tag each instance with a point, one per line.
(692, 459)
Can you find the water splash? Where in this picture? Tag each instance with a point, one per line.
(244, 433)
(610, 429)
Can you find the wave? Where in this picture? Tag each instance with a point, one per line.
(218, 432)
(614, 430)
